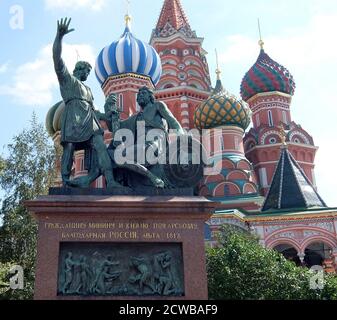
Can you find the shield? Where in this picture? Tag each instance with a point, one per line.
(185, 167)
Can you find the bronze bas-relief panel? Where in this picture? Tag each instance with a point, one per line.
(120, 269)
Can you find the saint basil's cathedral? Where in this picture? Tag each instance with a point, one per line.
(265, 180)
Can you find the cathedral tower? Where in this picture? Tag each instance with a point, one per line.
(268, 88)
(225, 118)
(185, 82)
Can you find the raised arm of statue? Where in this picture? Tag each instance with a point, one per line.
(169, 117)
(59, 65)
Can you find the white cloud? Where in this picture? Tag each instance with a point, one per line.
(313, 44)
(33, 82)
(4, 67)
(309, 52)
(95, 5)
(324, 171)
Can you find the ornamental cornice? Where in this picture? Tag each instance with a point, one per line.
(264, 95)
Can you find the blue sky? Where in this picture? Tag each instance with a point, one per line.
(298, 34)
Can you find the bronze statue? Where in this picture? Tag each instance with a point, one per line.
(80, 128)
(104, 275)
(98, 272)
(154, 115)
(85, 274)
(69, 264)
(144, 276)
(163, 274)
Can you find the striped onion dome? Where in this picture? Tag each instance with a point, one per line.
(53, 118)
(266, 75)
(222, 109)
(128, 55)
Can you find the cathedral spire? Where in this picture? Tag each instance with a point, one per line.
(173, 19)
(173, 13)
(290, 187)
(218, 87)
(261, 42)
(128, 17)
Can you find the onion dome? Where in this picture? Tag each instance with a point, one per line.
(222, 109)
(128, 55)
(266, 75)
(53, 119)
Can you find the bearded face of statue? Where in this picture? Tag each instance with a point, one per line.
(143, 98)
(110, 103)
(112, 99)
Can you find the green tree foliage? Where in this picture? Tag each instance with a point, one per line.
(25, 173)
(4, 281)
(240, 268)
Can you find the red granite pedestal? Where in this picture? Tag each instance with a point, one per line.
(126, 222)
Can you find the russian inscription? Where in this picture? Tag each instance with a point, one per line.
(111, 231)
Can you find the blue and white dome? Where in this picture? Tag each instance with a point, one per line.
(128, 55)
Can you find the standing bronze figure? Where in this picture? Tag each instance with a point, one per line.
(80, 129)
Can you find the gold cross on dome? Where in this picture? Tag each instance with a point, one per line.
(127, 16)
(217, 71)
(261, 43)
(128, 6)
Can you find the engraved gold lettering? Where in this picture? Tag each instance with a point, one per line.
(72, 225)
(102, 225)
(159, 226)
(84, 235)
(150, 236)
(183, 226)
(123, 235)
(173, 236)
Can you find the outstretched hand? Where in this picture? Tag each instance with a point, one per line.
(63, 27)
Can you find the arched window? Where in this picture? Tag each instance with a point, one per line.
(316, 253)
(192, 62)
(222, 143)
(289, 252)
(121, 102)
(194, 73)
(169, 72)
(258, 120)
(284, 116)
(236, 143)
(169, 61)
(168, 86)
(195, 85)
(270, 118)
